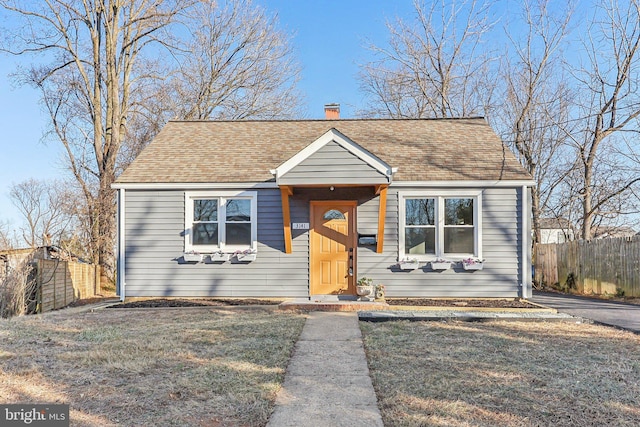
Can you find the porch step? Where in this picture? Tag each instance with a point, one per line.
(304, 304)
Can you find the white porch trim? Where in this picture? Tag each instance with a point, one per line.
(344, 142)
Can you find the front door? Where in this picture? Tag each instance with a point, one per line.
(332, 248)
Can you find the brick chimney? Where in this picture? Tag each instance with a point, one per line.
(332, 111)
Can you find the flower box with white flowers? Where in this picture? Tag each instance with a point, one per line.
(409, 264)
(247, 255)
(192, 256)
(472, 264)
(219, 257)
(440, 264)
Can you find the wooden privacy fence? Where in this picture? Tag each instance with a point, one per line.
(606, 266)
(62, 282)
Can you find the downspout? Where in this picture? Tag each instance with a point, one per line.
(526, 235)
(120, 290)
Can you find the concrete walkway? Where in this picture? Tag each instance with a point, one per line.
(612, 313)
(327, 381)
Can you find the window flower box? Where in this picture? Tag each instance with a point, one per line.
(219, 257)
(440, 264)
(472, 264)
(248, 255)
(192, 257)
(409, 264)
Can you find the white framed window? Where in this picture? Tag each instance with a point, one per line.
(440, 224)
(220, 221)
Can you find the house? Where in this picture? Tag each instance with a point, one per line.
(304, 208)
(556, 230)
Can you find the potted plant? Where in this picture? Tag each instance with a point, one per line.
(192, 256)
(219, 256)
(364, 289)
(409, 264)
(247, 255)
(472, 264)
(440, 264)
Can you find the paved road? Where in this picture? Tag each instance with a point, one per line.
(625, 316)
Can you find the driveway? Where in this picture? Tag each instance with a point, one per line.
(612, 313)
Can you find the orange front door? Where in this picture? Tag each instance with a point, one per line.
(332, 248)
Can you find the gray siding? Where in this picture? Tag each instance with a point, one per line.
(154, 243)
(154, 224)
(500, 244)
(332, 164)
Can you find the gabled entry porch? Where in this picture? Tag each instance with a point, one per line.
(335, 163)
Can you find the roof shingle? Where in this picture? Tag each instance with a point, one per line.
(245, 151)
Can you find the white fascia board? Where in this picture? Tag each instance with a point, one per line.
(464, 184)
(193, 185)
(271, 184)
(344, 142)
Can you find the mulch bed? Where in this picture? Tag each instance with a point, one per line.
(489, 303)
(164, 302)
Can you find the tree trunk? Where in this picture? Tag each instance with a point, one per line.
(535, 214)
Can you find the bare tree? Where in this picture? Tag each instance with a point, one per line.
(87, 86)
(237, 64)
(47, 208)
(536, 99)
(435, 67)
(609, 107)
(105, 78)
(7, 236)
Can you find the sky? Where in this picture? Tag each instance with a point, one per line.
(328, 37)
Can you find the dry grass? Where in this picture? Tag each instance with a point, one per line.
(183, 367)
(504, 374)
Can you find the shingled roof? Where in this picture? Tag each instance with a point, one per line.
(245, 151)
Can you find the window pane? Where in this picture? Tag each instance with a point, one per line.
(205, 210)
(458, 240)
(205, 234)
(239, 210)
(458, 211)
(333, 214)
(419, 211)
(420, 240)
(239, 234)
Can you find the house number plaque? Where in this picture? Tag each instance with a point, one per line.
(300, 225)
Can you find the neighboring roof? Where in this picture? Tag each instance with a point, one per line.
(42, 252)
(555, 224)
(245, 151)
(603, 231)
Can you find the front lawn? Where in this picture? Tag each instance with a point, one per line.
(210, 367)
(504, 374)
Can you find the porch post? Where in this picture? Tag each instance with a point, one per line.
(285, 192)
(381, 190)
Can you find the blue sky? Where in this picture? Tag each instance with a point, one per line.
(328, 38)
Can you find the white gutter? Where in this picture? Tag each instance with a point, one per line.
(464, 184)
(271, 184)
(192, 185)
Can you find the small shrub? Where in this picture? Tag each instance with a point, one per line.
(18, 291)
(619, 292)
(570, 284)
